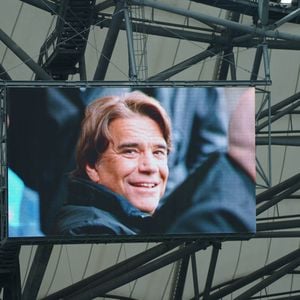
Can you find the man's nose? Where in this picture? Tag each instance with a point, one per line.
(147, 163)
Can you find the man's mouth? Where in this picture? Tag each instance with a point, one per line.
(148, 185)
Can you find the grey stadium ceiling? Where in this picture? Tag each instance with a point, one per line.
(210, 42)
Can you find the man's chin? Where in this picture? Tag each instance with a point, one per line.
(145, 204)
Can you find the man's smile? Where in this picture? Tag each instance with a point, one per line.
(144, 184)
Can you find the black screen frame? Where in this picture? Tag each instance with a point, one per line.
(110, 239)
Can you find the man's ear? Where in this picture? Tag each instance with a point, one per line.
(92, 173)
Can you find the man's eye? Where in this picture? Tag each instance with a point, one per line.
(160, 153)
(130, 152)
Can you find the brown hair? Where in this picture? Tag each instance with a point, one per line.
(95, 136)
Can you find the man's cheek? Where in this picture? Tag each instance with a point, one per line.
(128, 165)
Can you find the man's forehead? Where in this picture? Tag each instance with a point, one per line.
(135, 130)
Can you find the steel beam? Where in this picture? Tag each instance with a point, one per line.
(3, 168)
(286, 293)
(10, 280)
(131, 54)
(227, 62)
(286, 18)
(93, 83)
(96, 290)
(37, 271)
(3, 74)
(287, 131)
(287, 297)
(24, 56)
(266, 60)
(277, 116)
(163, 29)
(277, 234)
(226, 59)
(211, 270)
(195, 276)
(218, 21)
(110, 42)
(268, 269)
(269, 280)
(279, 140)
(257, 62)
(278, 225)
(45, 5)
(274, 218)
(250, 8)
(276, 107)
(232, 66)
(263, 12)
(115, 270)
(82, 68)
(179, 278)
(272, 44)
(185, 64)
(274, 200)
(277, 189)
(260, 171)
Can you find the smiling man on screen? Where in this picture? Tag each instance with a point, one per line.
(122, 172)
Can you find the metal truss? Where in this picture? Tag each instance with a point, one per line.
(65, 47)
(221, 37)
(3, 175)
(10, 280)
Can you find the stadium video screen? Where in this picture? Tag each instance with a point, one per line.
(130, 163)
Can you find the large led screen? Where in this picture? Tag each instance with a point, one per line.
(123, 163)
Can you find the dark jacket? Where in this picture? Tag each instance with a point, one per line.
(94, 209)
(218, 198)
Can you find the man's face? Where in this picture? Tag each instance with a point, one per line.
(135, 162)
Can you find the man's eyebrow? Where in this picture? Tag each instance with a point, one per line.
(161, 146)
(135, 145)
(127, 145)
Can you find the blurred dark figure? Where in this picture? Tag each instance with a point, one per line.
(44, 124)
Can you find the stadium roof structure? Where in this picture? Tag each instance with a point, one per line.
(238, 42)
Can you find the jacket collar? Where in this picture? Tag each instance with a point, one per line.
(85, 192)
